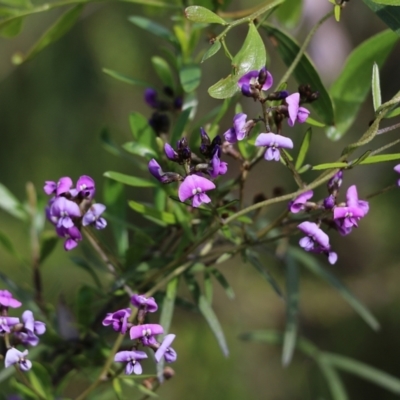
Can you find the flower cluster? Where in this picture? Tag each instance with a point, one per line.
(16, 332)
(141, 333)
(70, 208)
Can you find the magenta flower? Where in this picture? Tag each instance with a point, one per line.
(299, 203)
(85, 188)
(62, 186)
(218, 167)
(93, 216)
(165, 350)
(131, 358)
(254, 80)
(194, 187)
(240, 128)
(146, 303)
(14, 356)
(64, 210)
(273, 143)
(336, 181)
(118, 320)
(145, 332)
(296, 113)
(170, 152)
(73, 236)
(397, 169)
(6, 300)
(6, 323)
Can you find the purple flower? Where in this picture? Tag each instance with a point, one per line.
(397, 169)
(296, 113)
(146, 303)
(255, 80)
(273, 142)
(14, 356)
(336, 181)
(37, 327)
(240, 128)
(165, 350)
(329, 202)
(6, 300)
(85, 187)
(194, 187)
(218, 167)
(118, 320)
(299, 203)
(316, 241)
(131, 358)
(64, 209)
(146, 333)
(62, 186)
(92, 216)
(73, 236)
(151, 97)
(170, 152)
(6, 323)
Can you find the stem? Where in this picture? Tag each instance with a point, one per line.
(303, 49)
(384, 190)
(388, 129)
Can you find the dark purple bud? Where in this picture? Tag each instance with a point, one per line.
(216, 142)
(336, 181)
(159, 122)
(262, 76)
(178, 103)
(168, 91)
(183, 149)
(329, 202)
(170, 152)
(151, 97)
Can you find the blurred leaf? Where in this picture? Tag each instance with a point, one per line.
(10, 204)
(12, 28)
(388, 2)
(146, 391)
(333, 380)
(313, 122)
(153, 27)
(139, 150)
(289, 12)
(364, 371)
(40, 380)
(223, 282)
(351, 88)
(312, 264)
(250, 57)
(163, 71)
(80, 262)
(190, 76)
(55, 32)
(142, 131)
(330, 165)
(17, 3)
(180, 126)
(305, 144)
(5, 241)
(21, 388)
(163, 218)
(254, 260)
(394, 113)
(48, 243)
(304, 73)
(292, 307)
(167, 311)
(211, 50)
(376, 87)
(381, 158)
(126, 79)
(390, 15)
(201, 14)
(116, 384)
(129, 180)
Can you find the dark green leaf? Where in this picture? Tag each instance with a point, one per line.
(333, 380)
(126, 79)
(376, 87)
(289, 12)
(167, 311)
(212, 50)
(5, 241)
(153, 27)
(129, 180)
(208, 286)
(351, 88)
(201, 14)
(305, 144)
(251, 56)
(80, 262)
(48, 243)
(223, 282)
(312, 264)
(55, 32)
(390, 15)
(161, 217)
(40, 380)
(388, 2)
(304, 73)
(10, 204)
(190, 76)
(180, 125)
(84, 314)
(142, 131)
(163, 71)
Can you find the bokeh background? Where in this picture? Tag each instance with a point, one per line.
(52, 110)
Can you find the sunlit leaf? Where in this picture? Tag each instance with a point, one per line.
(330, 165)
(212, 50)
(313, 122)
(202, 14)
(376, 87)
(129, 180)
(139, 149)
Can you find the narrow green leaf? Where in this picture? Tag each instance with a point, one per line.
(54, 33)
(146, 391)
(223, 282)
(304, 73)
(289, 12)
(330, 165)
(251, 56)
(333, 380)
(80, 262)
(361, 158)
(388, 2)
(48, 243)
(389, 14)
(214, 324)
(364, 371)
(394, 113)
(312, 264)
(305, 144)
(376, 87)
(23, 389)
(381, 158)
(126, 79)
(5, 241)
(202, 14)
(153, 27)
(208, 286)
(190, 76)
(162, 217)
(313, 122)
(167, 311)
(164, 72)
(211, 51)
(351, 88)
(10, 204)
(292, 306)
(142, 132)
(139, 149)
(129, 180)
(180, 125)
(116, 384)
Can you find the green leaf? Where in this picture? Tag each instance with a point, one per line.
(289, 12)
(388, 2)
(351, 88)
(153, 27)
(10, 204)
(164, 72)
(214, 324)
(376, 87)
(251, 56)
(12, 28)
(337, 9)
(55, 32)
(163, 218)
(393, 113)
(313, 122)
(48, 243)
(190, 76)
(139, 150)
(223, 282)
(390, 15)
(80, 262)
(180, 125)
(167, 311)
(142, 131)
(129, 180)
(364, 371)
(304, 73)
(124, 78)
(201, 14)
(381, 158)
(212, 50)
(292, 306)
(305, 144)
(5, 241)
(330, 166)
(333, 380)
(312, 264)
(116, 384)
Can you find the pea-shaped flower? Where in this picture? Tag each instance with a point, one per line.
(194, 187)
(273, 143)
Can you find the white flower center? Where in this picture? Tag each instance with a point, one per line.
(196, 190)
(82, 187)
(146, 332)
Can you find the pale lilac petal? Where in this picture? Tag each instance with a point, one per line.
(7, 300)
(352, 196)
(302, 115)
(129, 368)
(29, 321)
(137, 368)
(239, 122)
(40, 327)
(122, 356)
(396, 168)
(332, 257)
(148, 303)
(293, 107)
(230, 136)
(164, 346)
(63, 185)
(50, 187)
(145, 330)
(306, 243)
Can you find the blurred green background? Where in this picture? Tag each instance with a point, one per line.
(52, 111)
